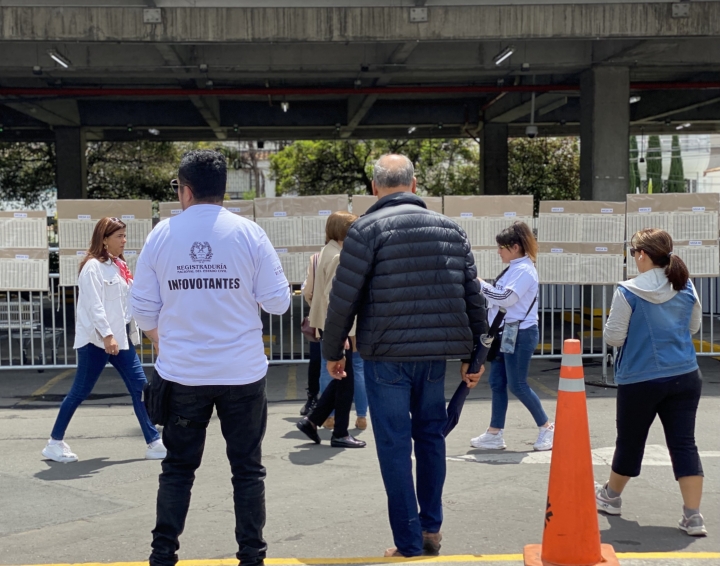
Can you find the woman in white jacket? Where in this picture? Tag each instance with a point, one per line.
(516, 290)
(101, 336)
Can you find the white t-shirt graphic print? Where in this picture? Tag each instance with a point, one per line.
(199, 281)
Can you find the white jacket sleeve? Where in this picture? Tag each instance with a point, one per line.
(145, 298)
(270, 286)
(616, 326)
(505, 298)
(696, 316)
(90, 284)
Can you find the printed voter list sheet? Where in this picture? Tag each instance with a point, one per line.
(69, 265)
(475, 228)
(313, 228)
(601, 269)
(284, 231)
(637, 221)
(559, 267)
(137, 231)
(75, 234)
(22, 273)
(558, 227)
(694, 225)
(23, 232)
(701, 260)
(606, 228)
(488, 263)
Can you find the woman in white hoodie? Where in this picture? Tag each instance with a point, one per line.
(652, 319)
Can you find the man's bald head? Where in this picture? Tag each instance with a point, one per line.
(393, 173)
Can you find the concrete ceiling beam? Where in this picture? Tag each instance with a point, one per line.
(542, 101)
(52, 112)
(343, 24)
(676, 111)
(398, 57)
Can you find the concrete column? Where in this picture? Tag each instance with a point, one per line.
(494, 159)
(604, 133)
(71, 165)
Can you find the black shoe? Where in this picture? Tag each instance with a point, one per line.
(346, 442)
(310, 404)
(306, 427)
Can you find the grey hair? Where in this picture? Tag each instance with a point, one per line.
(389, 178)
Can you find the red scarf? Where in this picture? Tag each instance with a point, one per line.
(124, 271)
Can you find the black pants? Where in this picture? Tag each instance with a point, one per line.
(675, 401)
(338, 397)
(313, 387)
(242, 410)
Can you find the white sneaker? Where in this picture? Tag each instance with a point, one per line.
(545, 438)
(610, 505)
(489, 441)
(59, 452)
(156, 450)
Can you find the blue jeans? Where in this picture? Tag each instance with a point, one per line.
(360, 395)
(511, 370)
(91, 362)
(407, 400)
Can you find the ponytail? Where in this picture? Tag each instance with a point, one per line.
(677, 272)
(658, 245)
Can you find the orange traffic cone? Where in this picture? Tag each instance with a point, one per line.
(572, 533)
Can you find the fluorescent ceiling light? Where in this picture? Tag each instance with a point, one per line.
(634, 99)
(285, 106)
(154, 131)
(59, 59)
(411, 129)
(503, 55)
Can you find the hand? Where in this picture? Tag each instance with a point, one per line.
(337, 369)
(471, 379)
(111, 345)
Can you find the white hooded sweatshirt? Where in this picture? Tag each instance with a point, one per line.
(654, 287)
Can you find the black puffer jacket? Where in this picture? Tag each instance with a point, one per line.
(409, 275)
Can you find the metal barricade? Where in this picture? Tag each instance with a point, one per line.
(37, 329)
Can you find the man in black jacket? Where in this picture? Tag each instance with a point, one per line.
(409, 276)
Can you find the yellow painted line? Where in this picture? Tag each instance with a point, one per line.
(40, 391)
(428, 559)
(671, 555)
(542, 387)
(291, 390)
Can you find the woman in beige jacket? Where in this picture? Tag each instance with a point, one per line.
(338, 394)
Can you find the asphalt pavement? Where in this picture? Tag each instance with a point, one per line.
(325, 505)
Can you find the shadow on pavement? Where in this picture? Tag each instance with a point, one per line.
(78, 470)
(629, 536)
(314, 455)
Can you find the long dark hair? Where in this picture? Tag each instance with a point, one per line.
(104, 228)
(519, 233)
(658, 245)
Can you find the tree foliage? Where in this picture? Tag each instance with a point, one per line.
(676, 178)
(653, 157)
(335, 167)
(132, 170)
(546, 168)
(27, 172)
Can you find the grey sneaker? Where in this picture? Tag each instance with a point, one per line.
(693, 525)
(610, 505)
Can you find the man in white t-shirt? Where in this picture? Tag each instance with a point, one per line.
(198, 283)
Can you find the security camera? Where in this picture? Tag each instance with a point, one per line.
(531, 132)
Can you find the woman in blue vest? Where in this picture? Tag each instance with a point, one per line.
(652, 320)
